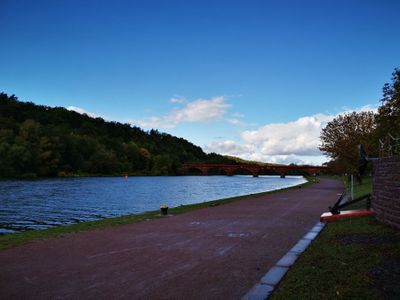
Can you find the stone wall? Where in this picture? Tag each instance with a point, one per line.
(386, 190)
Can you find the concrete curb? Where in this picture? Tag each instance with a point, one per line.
(263, 289)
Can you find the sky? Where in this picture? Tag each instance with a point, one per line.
(254, 79)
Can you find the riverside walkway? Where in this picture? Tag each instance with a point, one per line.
(213, 253)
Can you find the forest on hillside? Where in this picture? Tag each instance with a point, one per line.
(43, 141)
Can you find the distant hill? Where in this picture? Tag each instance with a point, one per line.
(42, 141)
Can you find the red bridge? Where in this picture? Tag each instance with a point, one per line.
(255, 170)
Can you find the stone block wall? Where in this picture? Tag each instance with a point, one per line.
(386, 190)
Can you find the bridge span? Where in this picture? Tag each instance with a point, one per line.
(254, 169)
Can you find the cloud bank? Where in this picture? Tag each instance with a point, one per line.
(292, 142)
(277, 142)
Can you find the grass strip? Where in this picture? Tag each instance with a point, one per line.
(364, 188)
(351, 259)
(348, 260)
(19, 238)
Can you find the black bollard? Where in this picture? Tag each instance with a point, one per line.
(164, 210)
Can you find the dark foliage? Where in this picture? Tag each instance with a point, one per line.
(37, 140)
(388, 118)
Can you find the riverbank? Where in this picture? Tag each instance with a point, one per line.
(19, 238)
(185, 256)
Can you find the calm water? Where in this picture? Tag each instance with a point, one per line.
(39, 204)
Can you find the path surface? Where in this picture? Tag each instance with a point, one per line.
(213, 253)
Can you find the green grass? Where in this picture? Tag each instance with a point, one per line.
(16, 239)
(360, 190)
(330, 269)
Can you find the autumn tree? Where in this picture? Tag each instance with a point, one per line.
(341, 137)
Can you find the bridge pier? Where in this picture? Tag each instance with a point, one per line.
(229, 172)
(204, 171)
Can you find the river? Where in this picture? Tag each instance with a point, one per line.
(40, 204)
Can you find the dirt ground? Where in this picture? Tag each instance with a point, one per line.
(213, 253)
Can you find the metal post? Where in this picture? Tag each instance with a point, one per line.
(352, 187)
(369, 202)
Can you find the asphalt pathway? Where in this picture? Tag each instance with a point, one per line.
(213, 253)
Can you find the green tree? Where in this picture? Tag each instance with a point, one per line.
(161, 165)
(7, 168)
(48, 156)
(21, 158)
(104, 162)
(30, 130)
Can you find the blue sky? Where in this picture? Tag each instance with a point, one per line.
(256, 79)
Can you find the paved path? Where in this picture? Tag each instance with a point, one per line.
(213, 253)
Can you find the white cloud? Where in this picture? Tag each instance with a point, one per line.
(178, 99)
(237, 115)
(229, 148)
(368, 107)
(277, 142)
(300, 137)
(292, 142)
(200, 110)
(151, 122)
(235, 120)
(83, 111)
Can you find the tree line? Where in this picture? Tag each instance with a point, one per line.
(341, 137)
(43, 141)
